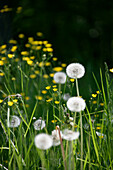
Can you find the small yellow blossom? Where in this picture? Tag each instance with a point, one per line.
(15, 100)
(54, 121)
(13, 49)
(63, 65)
(45, 42)
(94, 95)
(96, 115)
(102, 104)
(57, 68)
(45, 76)
(94, 102)
(44, 91)
(37, 71)
(13, 78)
(57, 102)
(51, 74)
(32, 57)
(55, 59)
(35, 42)
(4, 58)
(24, 53)
(1, 101)
(47, 64)
(19, 9)
(55, 89)
(49, 100)
(54, 81)
(38, 97)
(1, 74)
(1, 63)
(27, 45)
(48, 45)
(48, 87)
(17, 59)
(54, 86)
(40, 34)
(30, 62)
(27, 98)
(40, 42)
(3, 46)
(10, 55)
(32, 76)
(98, 128)
(27, 105)
(25, 58)
(30, 39)
(38, 48)
(41, 64)
(72, 80)
(111, 70)
(10, 103)
(21, 35)
(12, 41)
(97, 92)
(44, 49)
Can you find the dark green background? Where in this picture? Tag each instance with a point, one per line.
(80, 30)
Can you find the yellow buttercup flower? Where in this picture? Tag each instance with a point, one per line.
(58, 69)
(48, 45)
(3, 46)
(10, 55)
(54, 121)
(51, 74)
(55, 89)
(40, 34)
(30, 62)
(37, 71)
(27, 45)
(12, 41)
(72, 80)
(44, 91)
(24, 53)
(1, 101)
(13, 78)
(1, 63)
(57, 102)
(48, 87)
(32, 76)
(63, 65)
(47, 64)
(94, 102)
(27, 98)
(38, 97)
(97, 92)
(111, 70)
(13, 49)
(21, 35)
(94, 95)
(1, 74)
(10, 103)
(55, 59)
(15, 100)
(45, 76)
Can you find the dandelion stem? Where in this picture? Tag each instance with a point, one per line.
(62, 148)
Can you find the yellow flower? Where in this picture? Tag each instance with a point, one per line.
(41, 64)
(32, 57)
(44, 91)
(38, 97)
(1, 63)
(24, 53)
(111, 70)
(17, 59)
(10, 55)
(32, 76)
(57, 102)
(37, 72)
(15, 100)
(63, 65)
(97, 92)
(98, 127)
(30, 39)
(13, 49)
(25, 58)
(51, 74)
(40, 42)
(55, 59)
(48, 87)
(47, 64)
(72, 80)
(30, 62)
(27, 105)
(21, 35)
(54, 86)
(94, 102)
(49, 100)
(10, 103)
(44, 49)
(1, 101)
(27, 45)
(40, 34)
(3, 58)
(94, 95)
(54, 121)
(19, 9)
(45, 42)
(13, 78)
(38, 48)
(57, 68)
(55, 89)
(12, 41)
(48, 45)
(35, 42)
(53, 81)
(1, 74)
(27, 98)
(45, 76)
(102, 104)
(3, 46)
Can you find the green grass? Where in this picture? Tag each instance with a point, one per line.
(17, 148)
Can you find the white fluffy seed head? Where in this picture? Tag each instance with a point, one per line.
(75, 70)
(60, 77)
(55, 137)
(14, 121)
(43, 141)
(76, 104)
(70, 135)
(39, 124)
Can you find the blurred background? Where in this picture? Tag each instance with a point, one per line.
(79, 30)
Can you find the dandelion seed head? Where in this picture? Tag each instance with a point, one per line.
(55, 137)
(75, 70)
(14, 121)
(76, 104)
(60, 77)
(39, 124)
(43, 141)
(66, 96)
(70, 135)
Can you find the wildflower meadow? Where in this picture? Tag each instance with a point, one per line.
(45, 122)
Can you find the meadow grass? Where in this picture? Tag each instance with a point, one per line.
(28, 90)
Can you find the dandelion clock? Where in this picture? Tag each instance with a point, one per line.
(75, 70)
(76, 104)
(60, 77)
